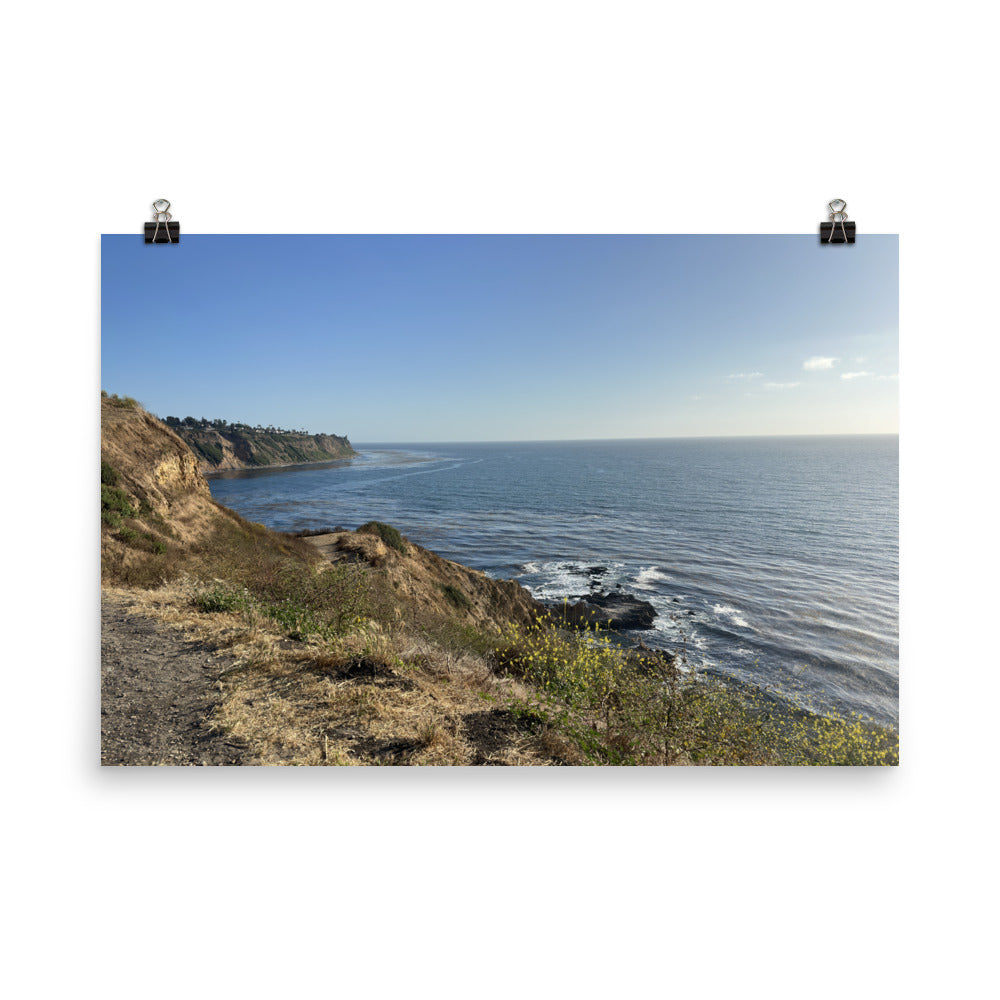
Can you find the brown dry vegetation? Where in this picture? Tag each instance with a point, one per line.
(372, 697)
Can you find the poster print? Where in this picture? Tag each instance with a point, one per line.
(512, 500)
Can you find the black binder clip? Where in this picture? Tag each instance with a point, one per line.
(838, 217)
(162, 230)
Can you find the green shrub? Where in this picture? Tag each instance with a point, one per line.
(223, 598)
(387, 533)
(129, 535)
(111, 518)
(109, 475)
(212, 452)
(115, 499)
(456, 596)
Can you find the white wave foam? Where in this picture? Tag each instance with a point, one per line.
(666, 625)
(560, 579)
(649, 576)
(733, 614)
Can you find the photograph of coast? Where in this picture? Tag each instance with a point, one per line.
(499, 500)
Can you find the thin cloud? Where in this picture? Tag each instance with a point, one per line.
(818, 364)
(854, 374)
(781, 385)
(746, 375)
(889, 378)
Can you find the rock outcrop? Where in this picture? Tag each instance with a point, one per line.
(156, 468)
(153, 494)
(617, 610)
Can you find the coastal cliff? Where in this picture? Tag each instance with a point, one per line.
(224, 642)
(159, 521)
(220, 445)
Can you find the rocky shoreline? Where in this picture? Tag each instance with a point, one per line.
(616, 609)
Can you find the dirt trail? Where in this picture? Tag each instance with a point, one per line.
(156, 694)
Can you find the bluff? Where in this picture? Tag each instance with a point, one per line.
(156, 508)
(159, 522)
(222, 445)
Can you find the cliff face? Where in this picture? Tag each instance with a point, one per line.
(245, 448)
(153, 493)
(159, 520)
(152, 464)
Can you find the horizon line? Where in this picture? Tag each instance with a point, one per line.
(667, 437)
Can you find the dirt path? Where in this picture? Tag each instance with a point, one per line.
(156, 694)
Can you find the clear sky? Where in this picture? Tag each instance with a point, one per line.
(508, 338)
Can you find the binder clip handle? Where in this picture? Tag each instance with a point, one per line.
(838, 217)
(162, 217)
(837, 214)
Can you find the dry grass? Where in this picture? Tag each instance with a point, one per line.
(379, 695)
(372, 697)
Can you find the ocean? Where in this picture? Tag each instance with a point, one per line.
(771, 560)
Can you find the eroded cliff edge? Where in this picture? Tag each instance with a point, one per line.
(221, 445)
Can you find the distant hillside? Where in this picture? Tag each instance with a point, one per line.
(222, 445)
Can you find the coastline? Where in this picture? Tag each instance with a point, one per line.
(220, 473)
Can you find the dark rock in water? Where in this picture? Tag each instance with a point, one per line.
(625, 610)
(578, 615)
(677, 600)
(596, 570)
(621, 611)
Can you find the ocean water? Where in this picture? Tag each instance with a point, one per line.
(774, 560)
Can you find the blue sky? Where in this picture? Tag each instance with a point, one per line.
(504, 338)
